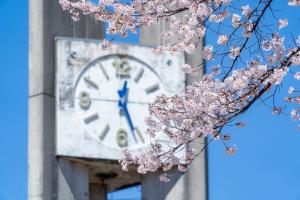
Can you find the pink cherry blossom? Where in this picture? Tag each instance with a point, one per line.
(226, 137)
(291, 90)
(282, 23)
(276, 110)
(164, 178)
(231, 150)
(234, 52)
(295, 115)
(246, 10)
(207, 52)
(222, 40)
(241, 124)
(294, 2)
(105, 44)
(297, 76)
(298, 40)
(188, 69)
(267, 45)
(215, 70)
(236, 20)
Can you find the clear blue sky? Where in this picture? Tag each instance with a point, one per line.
(265, 167)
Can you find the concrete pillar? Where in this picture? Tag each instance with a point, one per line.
(97, 192)
(154, 189)
(47, 20)
(193, 184)
(195, 179)
(73, 181)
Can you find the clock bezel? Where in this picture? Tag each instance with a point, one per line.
(125, 57)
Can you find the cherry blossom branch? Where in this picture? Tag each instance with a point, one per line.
(255, 25)
(256, 57)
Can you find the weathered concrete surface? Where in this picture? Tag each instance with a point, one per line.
(154, 189)
(193, 184)
(47, 20)
(41, 153)
(73, 181)
(196, 177)
(97, 192)
(77, 139)
(196, 181)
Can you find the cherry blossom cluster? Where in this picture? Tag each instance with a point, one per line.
(248, 59)
(294, 2)
(294, 98)
(207, 106)
(186, 18)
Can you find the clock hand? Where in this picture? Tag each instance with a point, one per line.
(123, 93)
(127, 115)
(123, 107)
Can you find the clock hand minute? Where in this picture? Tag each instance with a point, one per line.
(123, 107)
(125, 110)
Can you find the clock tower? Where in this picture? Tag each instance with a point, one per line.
(87, 104)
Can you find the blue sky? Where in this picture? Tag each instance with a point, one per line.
(265, 167)
(13, 99)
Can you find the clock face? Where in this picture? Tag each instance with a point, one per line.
(111, 97)
(102, 96)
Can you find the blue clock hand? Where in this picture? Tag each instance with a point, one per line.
(123, 93)
(125, 110)
(123, 106)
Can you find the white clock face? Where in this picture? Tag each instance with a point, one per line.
(116, 119)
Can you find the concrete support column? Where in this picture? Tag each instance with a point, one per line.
(193, 184)
(97, 192)
(41, 162)
(47, 20)
(73, 181)
(154, 189)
